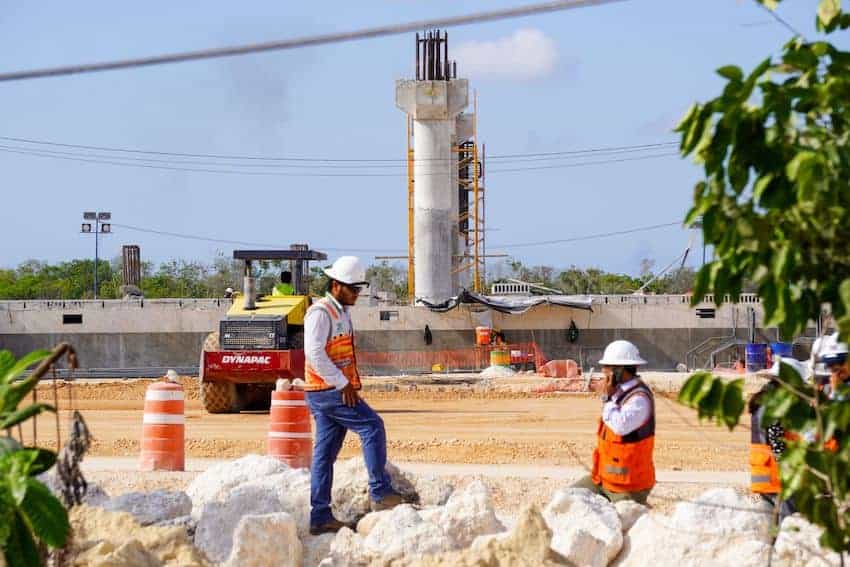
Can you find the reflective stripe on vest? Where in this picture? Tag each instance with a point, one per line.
(340, 351)
(624, 463)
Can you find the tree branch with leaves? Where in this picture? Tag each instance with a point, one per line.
(775, 205)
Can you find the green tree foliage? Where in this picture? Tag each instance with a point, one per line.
(775, 206)
(30, 516)
(182, 278)
(575, 280)
(384, 277)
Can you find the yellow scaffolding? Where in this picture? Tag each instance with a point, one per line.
(410, 265)
(476, 184)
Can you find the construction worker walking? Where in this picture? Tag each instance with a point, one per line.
(332, 385)
(767, 443)
(623, 468)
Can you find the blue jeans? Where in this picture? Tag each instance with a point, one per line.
(333, 420)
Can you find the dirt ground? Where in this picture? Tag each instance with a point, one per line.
(448, 421)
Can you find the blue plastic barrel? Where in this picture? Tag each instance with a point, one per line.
(756, 355)
(780, 349)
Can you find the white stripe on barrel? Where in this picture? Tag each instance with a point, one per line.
(163, 419)
(164, 395)
(289, 435)
(288, 403)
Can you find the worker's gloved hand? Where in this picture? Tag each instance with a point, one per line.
(350, 396)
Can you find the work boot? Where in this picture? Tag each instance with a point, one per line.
(331, 526)
(388, 502)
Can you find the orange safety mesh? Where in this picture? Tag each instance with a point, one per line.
(526, 356)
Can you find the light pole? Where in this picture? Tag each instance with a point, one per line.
(101, 226)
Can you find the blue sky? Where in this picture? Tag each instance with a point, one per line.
(614, 75)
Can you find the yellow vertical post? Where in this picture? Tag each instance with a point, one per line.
(411, 287)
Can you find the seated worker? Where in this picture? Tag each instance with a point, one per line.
(285, 286)
(767, 443)
(622, 462)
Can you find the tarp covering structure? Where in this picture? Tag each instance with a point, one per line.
(510, 304)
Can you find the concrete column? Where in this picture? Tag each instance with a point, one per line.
(432, 215)
(434, 106)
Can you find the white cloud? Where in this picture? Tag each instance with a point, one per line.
(526, 54)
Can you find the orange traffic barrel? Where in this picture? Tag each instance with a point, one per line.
(290, 434)
(482, 335)
(163, 435)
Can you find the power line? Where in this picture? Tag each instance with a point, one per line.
(309, 41)
(582, 164)
(590, 236)
(603, 149)
(54, 155)
(242, 242)
(268, 245)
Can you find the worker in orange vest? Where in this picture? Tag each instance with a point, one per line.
(767, 442)
(332, 385)
(622, 462)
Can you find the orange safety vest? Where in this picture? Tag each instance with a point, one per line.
(764, 469)
(623, 463)
(340, 350)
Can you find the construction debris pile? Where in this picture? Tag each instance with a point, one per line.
(255, 511)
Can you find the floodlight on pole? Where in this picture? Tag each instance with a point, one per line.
(100, 227)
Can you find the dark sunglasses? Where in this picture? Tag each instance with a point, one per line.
(355, 288)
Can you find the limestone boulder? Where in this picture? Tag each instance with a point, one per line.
(151, 507)
(403, 533)
(187, 522)
(292, 488)
(629, 512)
(117, 554)
(351, 488)
(367, 522)
(468, 514)
(316, 548)
(267, 539)
(719, 528)
(432, 490)
(347, 549)
(104, 538)
(797, 544)
(219, 520)
(215, 483)
(586, 528)
(527, 545)
(723, 511)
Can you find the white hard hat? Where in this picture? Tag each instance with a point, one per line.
(171, 376)
(621, 353)
(832, 351)
(229, 290)
(348, 270)
(798, 366)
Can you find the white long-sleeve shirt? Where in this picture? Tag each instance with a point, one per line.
(628, 417)
(317, 330)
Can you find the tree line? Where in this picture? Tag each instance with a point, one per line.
(74, 279)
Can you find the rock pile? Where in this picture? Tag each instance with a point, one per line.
(255, 511)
